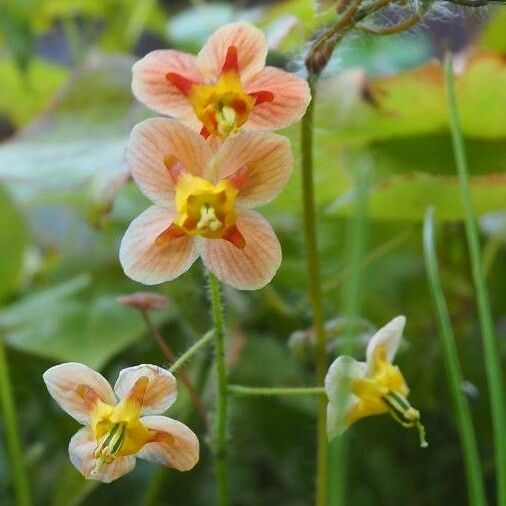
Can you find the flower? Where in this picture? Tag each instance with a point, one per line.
(359, 389)
(224, 87)
(202, 203)
(144, 301)
(116, 432)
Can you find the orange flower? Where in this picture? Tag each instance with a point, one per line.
(121, 424)
(203, 199)
(226, 86)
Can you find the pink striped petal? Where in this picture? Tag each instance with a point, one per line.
(175, 444)
(148, 263)
(253, 266)
(160, 393)
(65, 384)
(81, 448)
(251, 46)
(260, 164)
(151, 86)
(291, 98)
(151, 142)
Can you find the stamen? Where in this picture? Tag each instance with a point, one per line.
(208, 219)
(405, 414)
(111, 446)
(231, 61)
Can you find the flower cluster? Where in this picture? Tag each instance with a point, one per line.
(205, 167)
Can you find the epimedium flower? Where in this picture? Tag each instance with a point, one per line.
(359, 389)
(202, 198)
(123, 423)
(225, 87)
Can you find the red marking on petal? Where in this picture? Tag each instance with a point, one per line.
(169, 234)
(239, 177)
(162, 437)
(240, 107)
(175, 167)
(205, 133)
(138, 391)
(235, 237)
(231, 61)
(89, 396)
(262, 96)
(183, 84)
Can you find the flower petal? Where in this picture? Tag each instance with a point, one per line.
(160, 393)
(149, 263)
(176, 445)
(341, 400)
(64, 381)
(151, 86)
(151, 143)
(253, 266)
(266, 160)
(388, 336)
(291, 98)
(81, 449)
(251, 46)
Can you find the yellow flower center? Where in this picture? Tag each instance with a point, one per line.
(203, 209)
(385, 391)
(222, 107)
(117, 429)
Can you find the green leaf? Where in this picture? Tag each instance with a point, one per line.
(25, 95)
(83, 325)
(13, 239)
(76, 153)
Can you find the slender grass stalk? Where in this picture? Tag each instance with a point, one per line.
(490, 346)
(476, 490)
(194, 348)
(315, 293)
(240, 390)
(355, 241)
(10, 423)
(222, 400)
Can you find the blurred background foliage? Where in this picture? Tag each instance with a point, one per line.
(65, 113)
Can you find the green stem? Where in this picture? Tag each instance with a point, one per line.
(475, 486)
(11, 425)
(490, 345)
(222, 400)
(355, 245)
(240, 390)
(315, 293)
(194, 348)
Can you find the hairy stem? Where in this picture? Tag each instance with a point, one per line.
(222, 400)
(490, 345)
(240, 390)
(315, 294)
(18, 473)
(192, 350)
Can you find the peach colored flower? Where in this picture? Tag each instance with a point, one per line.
(224, 87)
(121, 424)
(203, 199)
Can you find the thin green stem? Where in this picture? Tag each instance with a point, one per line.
(11, 425)
(240, 390)
(315, 294)
(490, 346)
(222, 399)
(355, 241)
(474, 476)
(194, 348)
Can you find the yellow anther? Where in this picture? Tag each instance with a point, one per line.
(208, 219)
